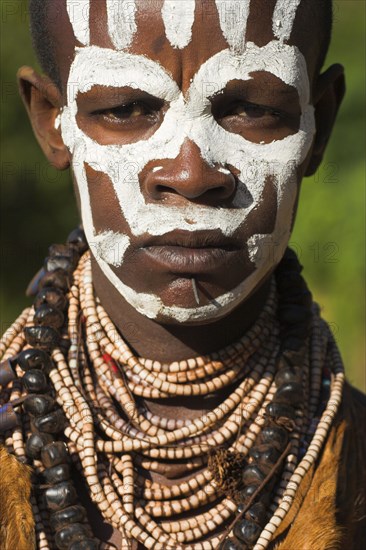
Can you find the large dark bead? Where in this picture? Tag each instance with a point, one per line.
(35, 381)
(248, 491)
(257, 513)
(34, 359)
(254, 474)
(45, 338)
(35, 444)
(274, 435)
(72, 533)
(290, 393)
(7, 373)
(265, 453)
(280, 410)
(56, 474)
(60, 496)
(32, 288)
(230, 544)
(58, 278)
(77, 238)
(54, 454)
(72, 514)
(52, 422)
(65, 250)
(8, 418)
(58, 262)
(49, 316)
(288, 375)
(52, 296)
(86, 544)
(247, 531)
(38, 405)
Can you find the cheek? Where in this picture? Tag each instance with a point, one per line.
(104, 203)
(262, 218)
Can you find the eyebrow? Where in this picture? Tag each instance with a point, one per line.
(279, 87)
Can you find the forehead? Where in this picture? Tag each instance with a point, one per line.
(180, 34)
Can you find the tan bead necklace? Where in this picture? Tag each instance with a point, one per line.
(115, 440)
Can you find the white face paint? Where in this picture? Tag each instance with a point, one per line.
(190, 117)
(121, 22)
(284, 17)
(79, 12)
(178, 17)
(233, 22)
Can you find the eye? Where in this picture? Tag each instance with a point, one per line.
(129, 111)
(252, 111)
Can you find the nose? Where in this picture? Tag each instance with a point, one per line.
(190, 176)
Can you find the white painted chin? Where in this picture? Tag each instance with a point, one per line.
(261, 249)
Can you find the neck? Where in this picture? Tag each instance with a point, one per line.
(167, 343)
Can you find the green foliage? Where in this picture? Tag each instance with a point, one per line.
(37, 203)
(330, 227)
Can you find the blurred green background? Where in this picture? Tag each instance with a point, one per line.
(37, 203)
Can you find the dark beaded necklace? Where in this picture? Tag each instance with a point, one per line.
(272, 445)
(67, 516)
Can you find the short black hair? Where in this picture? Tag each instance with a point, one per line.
(42, 40)
(44, 47)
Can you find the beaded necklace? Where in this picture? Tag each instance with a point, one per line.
(81, 393)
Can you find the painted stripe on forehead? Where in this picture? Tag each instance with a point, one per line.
(178, 17)
(233, 15)
(96, 66)
(283, 18)
(78, 12)
(121, 15)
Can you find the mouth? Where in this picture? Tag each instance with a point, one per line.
(191, 253)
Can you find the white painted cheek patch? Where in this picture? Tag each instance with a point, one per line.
(178, 18)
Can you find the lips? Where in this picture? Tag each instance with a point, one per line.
(194, 239)
(190, 253)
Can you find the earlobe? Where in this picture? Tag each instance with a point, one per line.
(328, 95)
(43, 102)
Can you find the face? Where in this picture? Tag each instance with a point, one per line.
(189, 124)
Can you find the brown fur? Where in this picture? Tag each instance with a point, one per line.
(315, 527)
(333, 513)
(16, 518)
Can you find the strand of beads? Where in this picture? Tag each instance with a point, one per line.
(87, 310)
(56, 505)
(253, 528)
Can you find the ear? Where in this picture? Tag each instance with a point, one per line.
(328, 95)
(43, 102)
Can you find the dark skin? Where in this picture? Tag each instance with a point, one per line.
(162, 340)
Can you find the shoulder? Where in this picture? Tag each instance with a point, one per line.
(351, 484)
(353, 412)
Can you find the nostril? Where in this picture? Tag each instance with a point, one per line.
(161, 189)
